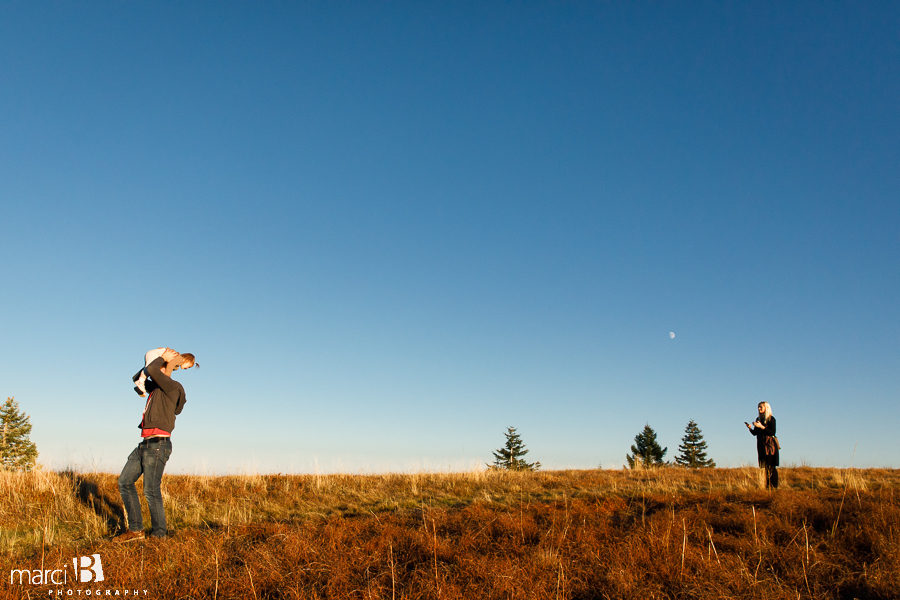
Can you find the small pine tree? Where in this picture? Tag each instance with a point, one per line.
(510, 456)
(692, 451)
(645, 452)
(17, 451)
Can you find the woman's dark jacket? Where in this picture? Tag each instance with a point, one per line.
(763, 437)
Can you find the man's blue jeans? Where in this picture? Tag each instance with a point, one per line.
(148, 459)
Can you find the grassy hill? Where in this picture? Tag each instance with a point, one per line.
(666, 533)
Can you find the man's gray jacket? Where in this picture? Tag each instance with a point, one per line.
(166, 400)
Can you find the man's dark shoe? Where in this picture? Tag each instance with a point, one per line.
(129, 536)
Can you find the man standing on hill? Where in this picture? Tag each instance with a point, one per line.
(166, 400)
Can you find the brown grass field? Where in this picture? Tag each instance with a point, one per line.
(666, 533)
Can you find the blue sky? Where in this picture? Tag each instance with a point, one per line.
(388, 231)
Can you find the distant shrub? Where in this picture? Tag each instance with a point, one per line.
(17, 451)
(510, 456)
(646, 451)
(692, 451)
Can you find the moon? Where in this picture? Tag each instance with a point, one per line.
(671, 335)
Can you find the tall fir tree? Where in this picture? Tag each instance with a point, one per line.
(17, 451)
(510, 456)
(646, 451)
(692, 451)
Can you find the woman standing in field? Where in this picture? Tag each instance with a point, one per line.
(766, 443)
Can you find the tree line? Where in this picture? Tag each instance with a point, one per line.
(646, 453)
(18, 452)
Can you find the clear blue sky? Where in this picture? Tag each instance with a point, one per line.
(388, 231)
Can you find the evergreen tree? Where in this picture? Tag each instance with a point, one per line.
(645, 452)
(692, 451)
(17, 451)
(510, 456)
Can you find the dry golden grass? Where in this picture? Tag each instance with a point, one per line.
(667, 533)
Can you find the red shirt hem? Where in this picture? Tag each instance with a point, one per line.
(145, 433)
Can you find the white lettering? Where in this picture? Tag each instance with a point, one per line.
(20, 572)
(88, 568)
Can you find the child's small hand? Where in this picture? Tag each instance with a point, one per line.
(168, 354)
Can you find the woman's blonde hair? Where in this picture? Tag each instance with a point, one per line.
(767, 410)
